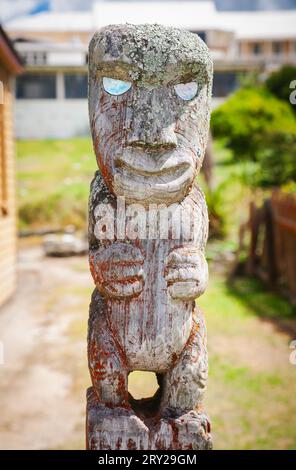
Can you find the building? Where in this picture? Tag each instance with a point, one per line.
(54, 47)
(10, 65)
(53, 91)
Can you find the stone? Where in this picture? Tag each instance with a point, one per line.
(66, 244)
(149, 105)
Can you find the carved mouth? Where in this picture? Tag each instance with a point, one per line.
(169, 170)
(161, 168)
(147, 179)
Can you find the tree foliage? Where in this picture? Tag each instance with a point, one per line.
(259, 129)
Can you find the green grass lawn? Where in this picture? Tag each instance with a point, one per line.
(252, 385)
(53, 182)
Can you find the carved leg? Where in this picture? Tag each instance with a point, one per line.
(183, 424)
(184, 385)
(110, 421)
(107, 363)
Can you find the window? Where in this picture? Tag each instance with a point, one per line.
(3, 176)
(257, 48)
(277, 48)
(75, 85)
(224, 83)
(36, 86)
(202, 35)
(34, 58)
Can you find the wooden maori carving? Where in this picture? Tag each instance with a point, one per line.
(149, 104)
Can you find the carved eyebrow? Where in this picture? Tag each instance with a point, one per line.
(193, 72)
(181, 73)
(115, 69)
(186, 76)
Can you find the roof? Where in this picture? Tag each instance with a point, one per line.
(189, 15)
(200, 15)
(8, 55)
(53, 22)
(262, 24)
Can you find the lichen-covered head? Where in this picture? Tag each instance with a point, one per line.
(149, 104)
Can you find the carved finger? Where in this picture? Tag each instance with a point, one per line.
(120, 273)
(180, 256)
(184, 290)
(182, 274)
(121, 290)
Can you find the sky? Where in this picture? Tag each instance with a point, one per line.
(14, 8)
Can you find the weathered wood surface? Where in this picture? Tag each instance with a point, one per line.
(149, 144)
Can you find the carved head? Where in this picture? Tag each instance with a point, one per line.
(149, 103)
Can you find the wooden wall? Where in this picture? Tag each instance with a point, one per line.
(7, 192)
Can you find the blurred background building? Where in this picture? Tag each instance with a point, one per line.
(53, 45)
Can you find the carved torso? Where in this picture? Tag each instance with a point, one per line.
(151, 326)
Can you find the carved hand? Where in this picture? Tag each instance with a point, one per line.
(117, 270)
(186, 273)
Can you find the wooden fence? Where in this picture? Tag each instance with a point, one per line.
(272, 248)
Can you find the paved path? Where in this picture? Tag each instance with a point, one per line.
(44, 375)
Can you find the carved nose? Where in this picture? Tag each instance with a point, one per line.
(157, 145)
(165, 140)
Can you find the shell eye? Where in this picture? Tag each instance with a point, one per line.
(115, 87)
(186, 91)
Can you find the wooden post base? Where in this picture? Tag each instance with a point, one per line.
(120, 428)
